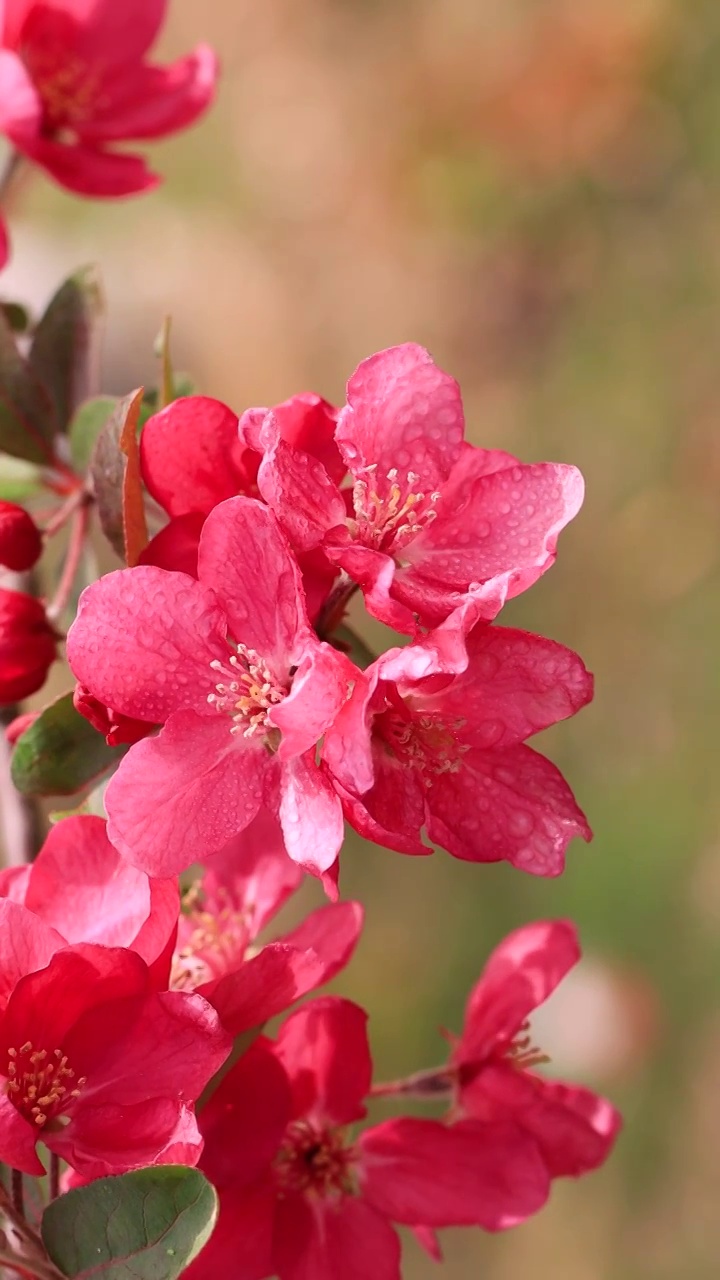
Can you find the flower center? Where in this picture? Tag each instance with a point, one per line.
(247, 693)
(392, 518)
(211, 938)
(41, 1084)
(424, 742)
(522, 1053)
(315, 1160)
(67, 86)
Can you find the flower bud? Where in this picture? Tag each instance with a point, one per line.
(27, 645)
(117, 729)
(20, 538)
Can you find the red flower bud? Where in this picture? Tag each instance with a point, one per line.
(27, 645)
(20, 538)
(115, 728)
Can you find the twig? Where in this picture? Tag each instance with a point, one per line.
(18, 1193)
(13, 165)
(54, 1176)
(78, 533)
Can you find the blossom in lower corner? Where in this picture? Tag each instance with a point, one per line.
(302, 1199)
(434, 736)
(230, 667)
(95, 1062)
(430, 515)
(75, 80)
(28, 645)
(492, 1073)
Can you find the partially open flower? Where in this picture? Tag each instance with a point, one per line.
(27, 645)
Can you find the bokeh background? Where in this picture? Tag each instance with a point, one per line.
(531, 188)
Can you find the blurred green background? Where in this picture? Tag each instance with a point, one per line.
(531, 188)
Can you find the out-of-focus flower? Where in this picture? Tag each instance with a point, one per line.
(95, 1062)
(434, 735)
(217, 953)
(228, 663)
(27, 645)
(75, 80)
(301, 1200)
(431, 516)
(20, 539)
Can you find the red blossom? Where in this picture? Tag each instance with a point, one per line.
(75, 80)
(228, 663)
(430, 516)
(434, 736)
(27, 645)
(94, 1062)
(20, 539)
(302, 1200)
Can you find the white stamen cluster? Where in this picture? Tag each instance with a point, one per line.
(396, 517)
(248, 693)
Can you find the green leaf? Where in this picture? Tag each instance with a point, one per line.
(144, 1225)
(28, 421)
(60, 753)
(65, 349)
(88, 421)
(18, 480)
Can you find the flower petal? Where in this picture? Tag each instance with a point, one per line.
(403, 415)
(520, 975)
(515, 517)
(151, 101)
(422, 1171)
(325, 1052)
(244, 557)
(264, 986)
(311, 815)
(190, 455)
(244, 1120)
(143, 641)
(321, 685)
(574, 1128)
(325, 1239)
(305, 499)
(509, 804)
(28, 944)
(178, 798)
(90, 171)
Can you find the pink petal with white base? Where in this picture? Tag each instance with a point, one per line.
(310, 814)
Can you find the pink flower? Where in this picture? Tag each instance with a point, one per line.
(223, 913)
(430, 516)
(74, 81)
(303, 1200)
(20, 539)
(27, 645)
(94, 1062)
(229, 665)
(81, 887)
(434, 735)
(491, 1074)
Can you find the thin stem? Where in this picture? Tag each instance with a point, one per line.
(72, 560)
(437, 1082)
(64, 512)
(54, 1176)
(18, 1193)
(335, 606)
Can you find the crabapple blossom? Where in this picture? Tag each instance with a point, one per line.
(94, 1061)
(430, 515)
(244, 690)
(75, 80)
(434, 736)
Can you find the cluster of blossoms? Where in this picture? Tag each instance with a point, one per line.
(242, 731)
(249, 736)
